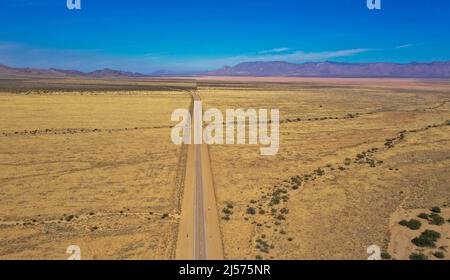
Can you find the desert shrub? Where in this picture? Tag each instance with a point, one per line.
(262, 245)
(423, 242)
(436, 219)
(423, 216)
(284, 210)
(319, 171)
(69, 218)
(426, 239)
(165, 215)
(435, 209)
(230, 205)
(359, 156)
(386, 256)
(251, 211)
(433, 235)
(388, 143)
(275, 200)
(418, 256)
(226, 218)
(439, 255)
(227, 211)
(281, 217)
(262, 212)
(296, 180)
(411, 224)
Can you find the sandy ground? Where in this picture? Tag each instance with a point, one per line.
(378, 146)
(95, 169)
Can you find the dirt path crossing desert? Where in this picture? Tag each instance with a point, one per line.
(199, 233)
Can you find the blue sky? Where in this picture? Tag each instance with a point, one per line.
(191, 35)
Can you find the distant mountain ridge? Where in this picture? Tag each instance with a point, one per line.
(103, 73)
(438, 69)
(337, 69)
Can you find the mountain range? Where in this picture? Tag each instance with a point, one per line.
(440, 69)
(336, 69)
(104, 73)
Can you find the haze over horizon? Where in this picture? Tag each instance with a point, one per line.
(183, 36)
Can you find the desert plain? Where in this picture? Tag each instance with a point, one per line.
(89, 162)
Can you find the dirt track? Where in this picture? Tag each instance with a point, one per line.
(199, 234)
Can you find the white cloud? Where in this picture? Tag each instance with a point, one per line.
(295, 57)
(21, 55)
(275, 50)
(404, 46)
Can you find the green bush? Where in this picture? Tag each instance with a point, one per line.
(227, 211)
(411, 224)
(426, 239)
(431, 234)
(423, 216)
(418, 256)
(319, 171)
(386, 256)
(439, 255)
(436, 219)
(262, 245)
(280, 217)
(251, 211)
(423, 242)
(435, 209)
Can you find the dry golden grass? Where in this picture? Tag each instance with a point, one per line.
(94, 169)
(339, 214)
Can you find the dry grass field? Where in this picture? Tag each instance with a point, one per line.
(356, 156)
(89, 163)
